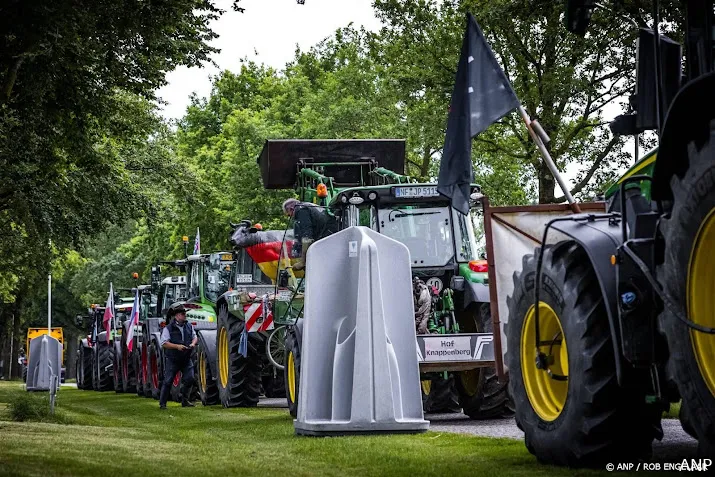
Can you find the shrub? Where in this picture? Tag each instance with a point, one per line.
(27, 406)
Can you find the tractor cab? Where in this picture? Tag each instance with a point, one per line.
(208, 276)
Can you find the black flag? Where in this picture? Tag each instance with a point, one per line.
(482, 95)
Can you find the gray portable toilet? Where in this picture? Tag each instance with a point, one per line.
(45, 363)
(359, 369)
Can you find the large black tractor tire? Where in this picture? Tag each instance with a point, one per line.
(481, 395)
(129, 375)
(144, 369)
(240, 384)
(291, 372)
(84, 368)
(587, 420)
(687, 276)
(137, 365)
(104, 357)
(274, 383)
(117, 371)
(439, 395)
(175, 391)
(156, 369)
(24, 374)
(207, 382)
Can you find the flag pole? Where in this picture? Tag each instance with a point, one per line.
(530, 125)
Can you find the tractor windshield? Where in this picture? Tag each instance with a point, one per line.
(426, 230)
(217, 275)
(173, 293)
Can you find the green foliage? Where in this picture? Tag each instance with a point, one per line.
(86, 161)
(25, 406)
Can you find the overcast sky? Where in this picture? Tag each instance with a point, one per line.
(272, 28)
(268, 32)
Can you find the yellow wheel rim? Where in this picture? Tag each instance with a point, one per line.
(701, 298)
(426, 386)
(546, 395)
(202, 371)
(291, 377)
(223, 356)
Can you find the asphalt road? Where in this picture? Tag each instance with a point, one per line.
(675, 445)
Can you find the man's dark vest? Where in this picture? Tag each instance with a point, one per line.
(175, 338)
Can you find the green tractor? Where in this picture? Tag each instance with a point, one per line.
(244, 354)
(360, 183)
(616, 320)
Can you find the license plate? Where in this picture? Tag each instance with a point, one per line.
(412, 191)
(285, 295)
(226, 257)
(244, 278)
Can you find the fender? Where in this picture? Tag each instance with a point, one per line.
(298, 331)
(207, 338)
(601, 240)
(85, 344)
(688, 119)
(475, 293)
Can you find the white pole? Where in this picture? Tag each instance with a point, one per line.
(549, 161)
(49, 298)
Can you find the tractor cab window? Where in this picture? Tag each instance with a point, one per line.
(194, 281)
(148, 306)
(172, 294)
(359, 215)
(217, 276)
(426, 230)
(464, 235)
(245, 267)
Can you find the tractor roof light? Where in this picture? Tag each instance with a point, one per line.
(185, 239)
(356, 199)
(258, 227)
(322, 191)
(479, 266)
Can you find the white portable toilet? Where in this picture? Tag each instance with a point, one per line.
(45, 363)
(359, 369)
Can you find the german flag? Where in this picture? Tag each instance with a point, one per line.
(265, 247)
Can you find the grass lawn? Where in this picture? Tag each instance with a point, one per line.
(113, 434)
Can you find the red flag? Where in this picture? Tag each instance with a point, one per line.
(109, 311)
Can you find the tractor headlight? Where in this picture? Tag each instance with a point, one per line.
(372, 195)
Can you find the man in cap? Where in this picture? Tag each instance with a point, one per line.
(178, 338)
(310, 223)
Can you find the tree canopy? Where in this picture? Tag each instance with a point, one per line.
(94, 181)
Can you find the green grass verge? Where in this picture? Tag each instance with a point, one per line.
(113, 434)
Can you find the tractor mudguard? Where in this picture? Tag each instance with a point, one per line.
(601, 240)
(101, 337)
(85, 343)
(475, 293)
(298, 330)
(207, 338)
(688, 119)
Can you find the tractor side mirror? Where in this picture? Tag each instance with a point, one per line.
(283, 279)
(79, 321)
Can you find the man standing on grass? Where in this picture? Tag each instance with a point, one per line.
(178, 339)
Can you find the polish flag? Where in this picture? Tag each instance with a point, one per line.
(108, 311)
(133, 321)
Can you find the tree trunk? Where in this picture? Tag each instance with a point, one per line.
(546, 185)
